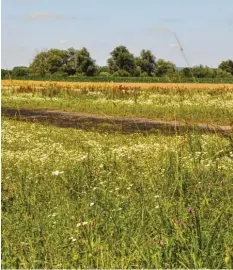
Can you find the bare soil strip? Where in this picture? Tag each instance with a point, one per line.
(126, 125)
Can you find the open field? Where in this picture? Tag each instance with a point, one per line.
(110, 84)
(77, 199)
(211, 104)
(73, 198)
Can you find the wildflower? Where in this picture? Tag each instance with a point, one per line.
(157, 207)
(91, 204)
(120, 209)
(57, 173)
(82, 224)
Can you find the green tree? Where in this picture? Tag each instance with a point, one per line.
(70, 64)
(227, 66)
(85, 64)
(57, 60)
(186, 72)
(219, 73)
(147, 62)
(121, 59)
(6, 74)
(20, 71)
(203, 72)
(39, 65)
(165, 68)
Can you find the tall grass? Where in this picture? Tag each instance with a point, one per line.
(75, 199)
(185, 104)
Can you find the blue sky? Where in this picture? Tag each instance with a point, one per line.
(204, 27)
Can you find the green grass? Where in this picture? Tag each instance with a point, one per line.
(184, 105)
(172, 79)
(76, 199)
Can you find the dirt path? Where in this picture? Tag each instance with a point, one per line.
(87, 122)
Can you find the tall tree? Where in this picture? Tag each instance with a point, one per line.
(121, 59)
(227, 66)
(57, 60)
(147, 62)
(71, 62)
(85, 64)
(39, 65)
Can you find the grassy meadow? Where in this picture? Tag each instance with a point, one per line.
(212, 104)
(86, 199)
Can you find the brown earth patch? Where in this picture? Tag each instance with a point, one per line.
(125, 125)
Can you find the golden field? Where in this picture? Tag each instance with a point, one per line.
(76, 85)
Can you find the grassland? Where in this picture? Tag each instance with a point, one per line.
(192, 103)
(78, 199)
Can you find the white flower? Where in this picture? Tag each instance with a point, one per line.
(57, 173)
(82, 224)
(156, 207)
(120, 209)
(91, 204)
(94, 188)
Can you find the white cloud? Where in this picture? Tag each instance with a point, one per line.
(42, 16)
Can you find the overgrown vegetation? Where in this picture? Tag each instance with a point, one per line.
(75, 199)
(185, 103)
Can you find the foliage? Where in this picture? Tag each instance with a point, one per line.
(85, 64)
(77, 64)
(63, 62)
(227, 66)
(6, 74)
(20, 71)
(104, 74)
(165, 68)
(147, 63)
(39, 65)
(121, 59)
(121, 73)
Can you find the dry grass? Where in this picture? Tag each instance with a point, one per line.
(196, 86)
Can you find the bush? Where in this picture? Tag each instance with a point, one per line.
(59, 74)
(144, 74)
(121, 73)
(104, 74)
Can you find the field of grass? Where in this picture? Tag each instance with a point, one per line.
(76, 199)
(86, 199)
(168, 79)
(212, 104)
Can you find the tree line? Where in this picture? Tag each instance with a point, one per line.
(122, 63)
